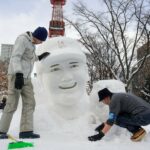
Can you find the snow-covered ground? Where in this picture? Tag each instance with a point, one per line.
(61, 134)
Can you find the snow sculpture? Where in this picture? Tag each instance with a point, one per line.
(64, 75)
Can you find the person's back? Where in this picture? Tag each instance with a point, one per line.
(22, 60)
(128, 103)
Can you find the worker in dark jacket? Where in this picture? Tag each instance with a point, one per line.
(19, 82)
(125, 110)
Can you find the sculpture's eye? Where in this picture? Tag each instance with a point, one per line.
(54, 69)
(74, 66)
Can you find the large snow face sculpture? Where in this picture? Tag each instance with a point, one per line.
(64, 72)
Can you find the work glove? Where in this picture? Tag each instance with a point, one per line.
(96, 137)
(3, 103)
(19, 81)
(100, 127)
(43, 55)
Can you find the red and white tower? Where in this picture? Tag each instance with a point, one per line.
(57, 25)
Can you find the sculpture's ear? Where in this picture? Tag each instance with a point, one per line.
(87, 77)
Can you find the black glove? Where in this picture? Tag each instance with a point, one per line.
(43, 55)
(100, 127)
(96, 137)
(3, 103)
(19, 81)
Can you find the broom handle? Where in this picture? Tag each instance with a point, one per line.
(12, 138)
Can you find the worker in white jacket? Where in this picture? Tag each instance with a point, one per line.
(19, 82)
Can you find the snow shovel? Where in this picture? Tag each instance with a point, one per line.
(18, 144)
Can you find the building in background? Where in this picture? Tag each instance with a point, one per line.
(6, 50)
(57, 24)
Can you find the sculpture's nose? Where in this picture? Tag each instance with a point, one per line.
(66, 76)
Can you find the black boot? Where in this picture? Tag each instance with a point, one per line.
(28, 135)
(3, 135)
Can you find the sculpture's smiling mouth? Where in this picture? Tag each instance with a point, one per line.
(68, 87)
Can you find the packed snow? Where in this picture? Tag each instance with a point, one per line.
(65, 115)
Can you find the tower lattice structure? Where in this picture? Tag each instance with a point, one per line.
(57, 25)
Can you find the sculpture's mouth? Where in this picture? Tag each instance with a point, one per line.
(68, 87)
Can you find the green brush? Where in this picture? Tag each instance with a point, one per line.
(18, 144)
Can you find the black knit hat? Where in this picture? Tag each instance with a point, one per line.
(40, 33)
(104, 93)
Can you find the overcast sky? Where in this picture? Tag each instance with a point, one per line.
(18, 16)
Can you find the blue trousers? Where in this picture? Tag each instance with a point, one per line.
(133, 122)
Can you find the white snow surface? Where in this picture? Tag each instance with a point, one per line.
(61, 134)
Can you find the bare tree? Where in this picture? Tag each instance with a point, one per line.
(146, 90)
(113, 36)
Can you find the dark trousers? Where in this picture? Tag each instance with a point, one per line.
(133, 122)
